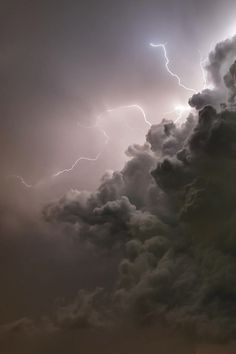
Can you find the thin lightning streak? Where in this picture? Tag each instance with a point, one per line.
(202, 62)
(132, 106)
(82, 158)
(98, 127)
(66, 170)
(167, 62)
(112, 110)
(179, 109)
(207, 85)
(22, 181)
(85, 158)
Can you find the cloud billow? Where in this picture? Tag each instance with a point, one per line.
(171, 211)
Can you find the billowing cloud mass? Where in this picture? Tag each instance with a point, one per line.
(170, 215)
(220, 77)
(171, 210)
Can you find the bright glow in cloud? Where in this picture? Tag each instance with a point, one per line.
(179, 109)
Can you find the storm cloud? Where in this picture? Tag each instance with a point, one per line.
(144, 262)
(219, 75)
(172, 211)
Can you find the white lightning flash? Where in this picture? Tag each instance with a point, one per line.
(179, 110)
(82, 158)
(167, 62)
(132, 106)
(202, 66)
(85, 158)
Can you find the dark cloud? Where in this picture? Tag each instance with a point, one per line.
(205, 97)
(220, 76)
(158, 235)
(219, 58)
(171, 210)
(229, 80)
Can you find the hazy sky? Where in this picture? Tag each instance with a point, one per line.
(63, 63)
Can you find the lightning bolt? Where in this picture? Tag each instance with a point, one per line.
(132, 106)
(180, 109)
(85, 158)
(82, 158)
(202, 63)
(112, 110)
(167, 62)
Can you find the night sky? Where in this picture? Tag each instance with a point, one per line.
(132, 249)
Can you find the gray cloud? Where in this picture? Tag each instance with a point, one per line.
(221, 75)
(168, 215)
(171, 210)
(219, 59)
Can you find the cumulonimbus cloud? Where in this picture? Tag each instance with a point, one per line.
(171, 211)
